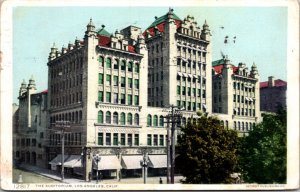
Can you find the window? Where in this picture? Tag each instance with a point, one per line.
(203, 94)
(108, 62)
(155, 140)
(155, 122)
(101, 63)
(234, 125)
(184, 104)
(108, 97)
(130, 82)
(108, 139)
(130, 66)
(136, 100)
(136, 68)
(122, 118)
(199, 92)
(129, 139)
(194, 92)
(100, 116)
(178, 90)
(100, 138)
(116, 80)
(108, 80)
(136, 139)
(136, 83)
(122, 98)
(161, 140)
(234, 97)
(238, 98)
(239, 125)
(129, 119)
(149, 139)
(123, 81)
(100, 96)
(149, 120)
(178, 103)
(115, 118)
(108, 117)
(189, 105)
(100, 78)
(129, 97)
(122, 139)
(194, 106)
(115, 139)
(183, 90)
(115, 98)
(161, 121)
(116, 64)
(123, 65)
(136, 119)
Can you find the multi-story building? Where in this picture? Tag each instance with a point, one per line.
(235, 95)
(30, 123)
(100, 86)
(273, 94)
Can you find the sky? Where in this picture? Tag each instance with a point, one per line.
(261, 34)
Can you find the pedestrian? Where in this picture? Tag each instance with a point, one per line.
(160, 181)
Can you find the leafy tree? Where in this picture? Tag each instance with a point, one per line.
(263, 152)
(207, 152)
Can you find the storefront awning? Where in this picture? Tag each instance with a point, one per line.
(131, 162)
(107, 163)
(180, 74)
(158, 161)
(73, 161)
(57, 159)
(184, 74)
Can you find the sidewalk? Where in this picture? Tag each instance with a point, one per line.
(56, 176)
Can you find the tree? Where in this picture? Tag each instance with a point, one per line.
(263, 152)
(207, 152)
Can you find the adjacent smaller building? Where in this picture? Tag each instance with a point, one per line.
(273, 94)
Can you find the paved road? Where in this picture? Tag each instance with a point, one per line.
(29, 177)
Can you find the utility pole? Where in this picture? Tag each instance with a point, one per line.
(62, 125)
(173, 146)
(168, 149)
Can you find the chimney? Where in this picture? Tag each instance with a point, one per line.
(271, 81)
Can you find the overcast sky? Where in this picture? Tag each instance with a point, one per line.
(261, 34)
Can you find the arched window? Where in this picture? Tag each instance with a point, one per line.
(243, 126)
(149, 120)
(108, 62)
(116, 64)
(155, 122)
(250, 126)
(115, 118)
(239, 125)
(123, 65)
(136, 119)
(161, 121)
(246, 126)
(101, 63)
(76, 117)
(136, 68)
(80, 117)
(122, 118)
(129, 119)
(189, 120)
(130, 66)
(108, 117)
(184, 121)
(234, 125)
(226, 124)
(100, 116)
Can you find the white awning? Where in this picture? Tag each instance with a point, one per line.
(73, 161)
(247, 98)
(57, 159)
(191, 76)
(131, 162)
(107, 163)
(158, 161)
(235, 109)
(180, 74)
(204, 105)
(195, 76)
(184, 74)
(250, 99)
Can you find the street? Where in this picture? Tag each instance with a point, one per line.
(30, 177)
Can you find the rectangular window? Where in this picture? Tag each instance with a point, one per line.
(189, 105)
(242, 99)
(108, 97)
(123, 98)
(178, 103)
(130, 82)
(129, 99)
(116, 80)
(123, 81)
(183, 104)
(161, 75)
(149, 139)
(194, 92)
(100, 79)
(199, 92)
(161, 140)
(234, 97)
(178, 90)
(108, 139)
(183, 90)
(238, 98)
(136, 140)
(100, 138)
(155, 140)
(203, 94)
(194, 106)
(129, 139)
(189, 91)
(108, 80)
(115, 139)
(116, 98)
(136, 100)
(100, 96)
(123, 139)
(136, 84)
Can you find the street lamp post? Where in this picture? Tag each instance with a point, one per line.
(144, 164)
(97, 159)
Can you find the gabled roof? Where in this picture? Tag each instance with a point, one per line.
(163, 19)
(218, 66)
(278, 83)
